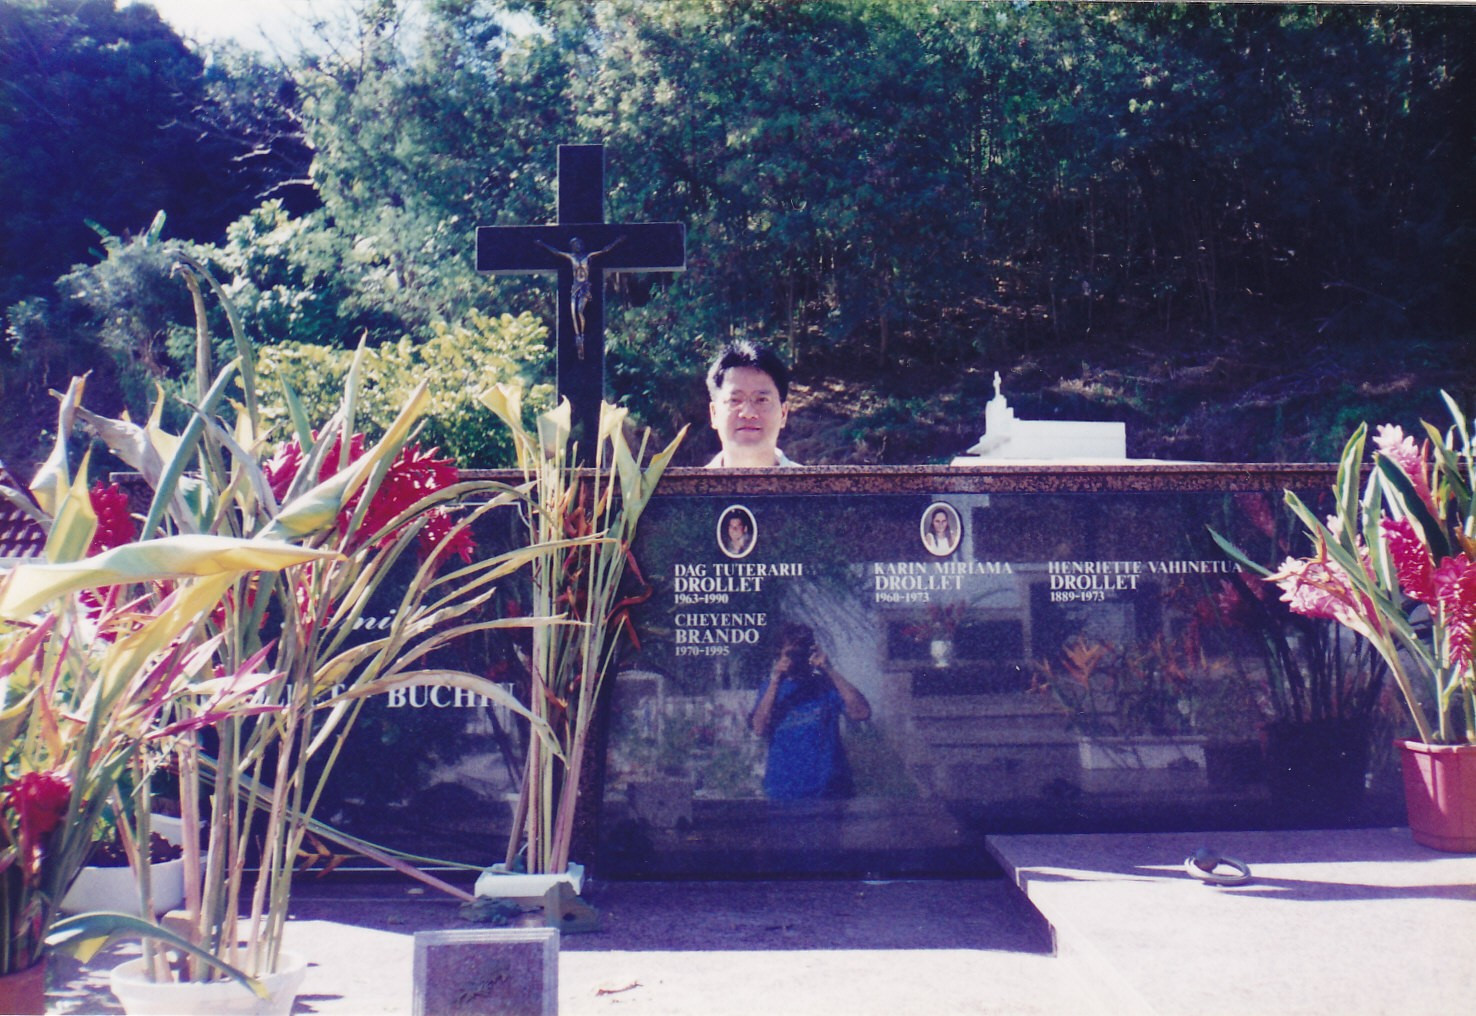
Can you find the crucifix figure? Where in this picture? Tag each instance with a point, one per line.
(580, 292)
(582, 247)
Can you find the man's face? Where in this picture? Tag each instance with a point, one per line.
(737, 532)
(747, 413)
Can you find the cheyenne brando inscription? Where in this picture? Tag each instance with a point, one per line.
(699, 634)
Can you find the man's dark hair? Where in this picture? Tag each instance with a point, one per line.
(745, 353)
(797, 636)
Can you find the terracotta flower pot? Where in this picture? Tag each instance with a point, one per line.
(24, 992)
(1440, 794)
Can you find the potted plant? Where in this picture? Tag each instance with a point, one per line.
(108, 880)
(1396, 565)
(352, 510)
(89, 667)
(582, 521)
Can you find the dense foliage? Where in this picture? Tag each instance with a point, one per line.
(1238, 227)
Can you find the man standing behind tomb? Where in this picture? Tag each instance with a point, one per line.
(748, 388)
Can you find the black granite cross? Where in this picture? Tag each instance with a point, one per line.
(581, 248)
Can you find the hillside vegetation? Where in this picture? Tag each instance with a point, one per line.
(1239, 228)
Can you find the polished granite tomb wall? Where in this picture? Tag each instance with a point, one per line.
(1062, 653)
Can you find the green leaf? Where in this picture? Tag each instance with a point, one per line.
(28, 587)
(75, 523)
(85, 935)
(1237, 555)
(302, 428)
(174, 471)
(1348, 483)
(53, 478)
(1411, 505)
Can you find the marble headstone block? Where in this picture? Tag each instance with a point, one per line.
(1006, 437)
(509, 971)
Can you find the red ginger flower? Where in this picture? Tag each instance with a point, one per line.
(40, 801)
(1411, 559)
(462, 545)
(282, 468)
(1400, 449)
(1455, 587)
(412, 476)
(115, 525)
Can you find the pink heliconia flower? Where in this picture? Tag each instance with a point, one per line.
(1455, 587)
(1411, 557)
(1413, 460)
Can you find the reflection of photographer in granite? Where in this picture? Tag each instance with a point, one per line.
(799, 712)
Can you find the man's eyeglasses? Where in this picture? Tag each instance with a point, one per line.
(760, 403)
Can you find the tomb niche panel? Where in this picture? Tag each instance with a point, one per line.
(1056, 659)
(1064, 664)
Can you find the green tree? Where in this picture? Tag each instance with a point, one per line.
(945, 188)
(416, 145)
(99, 121)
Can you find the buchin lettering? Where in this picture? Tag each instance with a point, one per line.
(435, 697)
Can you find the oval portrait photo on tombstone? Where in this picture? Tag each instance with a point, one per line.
(941, 529)
(737, 531)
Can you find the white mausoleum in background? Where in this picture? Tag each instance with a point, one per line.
(1008, 438)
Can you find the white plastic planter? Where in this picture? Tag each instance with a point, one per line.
(143, 997)
(116, 889)
(498, 883)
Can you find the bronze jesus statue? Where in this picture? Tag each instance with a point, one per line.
(579, 292)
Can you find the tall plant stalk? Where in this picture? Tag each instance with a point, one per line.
(584, 522)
